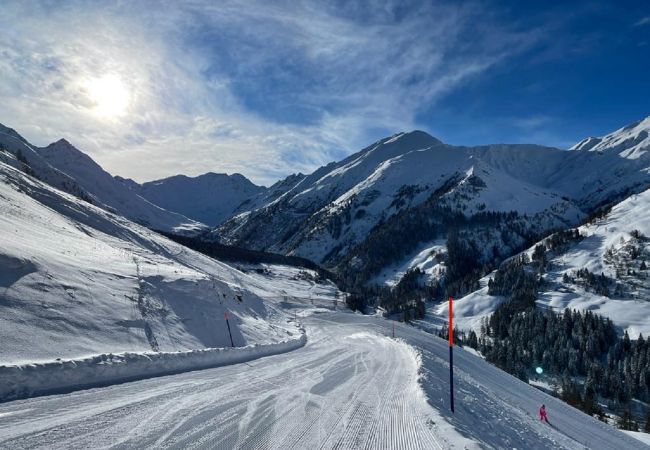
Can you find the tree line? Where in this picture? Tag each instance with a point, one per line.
(519, 337)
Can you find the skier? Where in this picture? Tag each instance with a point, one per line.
(542, 414)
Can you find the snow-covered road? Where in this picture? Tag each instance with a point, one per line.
(351, 386)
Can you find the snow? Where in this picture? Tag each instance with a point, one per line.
(540, 384)
(631, 141)
(110, 193)
(632, 316)
(326, 214)
(643, 437)
(426, 170)
(16, 145)
(350, 386)
(631, 312)
(210, 198)
(78, 281)
(26, 380)
(427, 258)
(64, 167)
(506, 193)
(84, 285)
(89, 298)
(469, 310)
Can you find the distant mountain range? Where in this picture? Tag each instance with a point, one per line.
(327, 215)
(64, 167)
(210, 198)
(382, 212)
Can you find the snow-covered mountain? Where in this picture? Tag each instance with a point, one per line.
(110, 193)
(80, 282)
(77, 280)
(334, 208)
(64, 167)
(614, 246)
(278, 189)
(344, 212)
(210, 198)
(18, 153)
(631, 142)
(604, 269)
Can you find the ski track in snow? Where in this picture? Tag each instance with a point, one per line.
(351, 386)
(323, 397)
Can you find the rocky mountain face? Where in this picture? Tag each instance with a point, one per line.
(382, 211)
(402, 193)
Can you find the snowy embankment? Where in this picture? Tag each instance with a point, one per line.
(89, 298)
(27, 380)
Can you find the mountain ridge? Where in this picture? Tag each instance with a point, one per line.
(65, 167)
(380, 206)
(209, 198)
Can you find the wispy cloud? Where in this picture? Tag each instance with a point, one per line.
(261, 88)
(643, 21)
(531, 122)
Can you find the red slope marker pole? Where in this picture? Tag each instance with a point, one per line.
(225, 314)
(451, 354)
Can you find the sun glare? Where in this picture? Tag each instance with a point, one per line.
(109, 95)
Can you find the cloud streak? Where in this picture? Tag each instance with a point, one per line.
(264, 89)
(643, 21)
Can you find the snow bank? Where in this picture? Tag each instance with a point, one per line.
(28, 380)
(106, 285)
(643, 437)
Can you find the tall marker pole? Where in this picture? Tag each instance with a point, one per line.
(232, 344)
(451, 353)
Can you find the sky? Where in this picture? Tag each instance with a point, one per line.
(266, 89)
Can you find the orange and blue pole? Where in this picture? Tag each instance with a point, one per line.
(451, 354)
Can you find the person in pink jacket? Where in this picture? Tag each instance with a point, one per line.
(542, 414)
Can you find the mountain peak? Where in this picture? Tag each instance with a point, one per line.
(208, 177)
(415, 138)
(62, 143)
(7, 131)
(631, 142)
(209, 198)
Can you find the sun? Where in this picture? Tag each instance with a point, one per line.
(109, 94)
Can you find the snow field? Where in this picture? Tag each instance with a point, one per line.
(106, 285)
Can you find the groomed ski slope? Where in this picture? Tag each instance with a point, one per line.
(351, 386)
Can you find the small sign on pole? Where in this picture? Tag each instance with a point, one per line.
(225, 314)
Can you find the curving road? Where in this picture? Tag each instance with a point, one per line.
(351, 386)
(347, 388)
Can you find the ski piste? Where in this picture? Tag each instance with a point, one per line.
(352, 386)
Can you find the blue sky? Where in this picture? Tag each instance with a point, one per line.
(151, 89)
